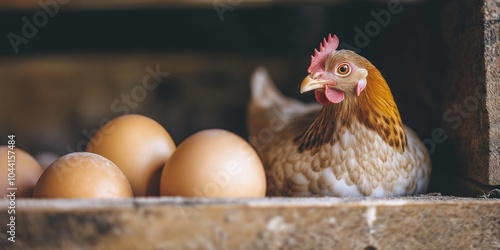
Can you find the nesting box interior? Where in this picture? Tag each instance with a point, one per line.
(85, 65)
(64, 77)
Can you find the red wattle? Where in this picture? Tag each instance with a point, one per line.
(320, 97)
(329, 95)
(333, 95)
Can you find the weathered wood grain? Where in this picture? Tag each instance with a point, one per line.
(138, 4)
(472, 87)
(431, 222)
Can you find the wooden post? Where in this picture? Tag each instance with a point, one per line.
(472, 87)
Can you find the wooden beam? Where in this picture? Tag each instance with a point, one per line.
(426, 222)
(152, 4)
(472, 87)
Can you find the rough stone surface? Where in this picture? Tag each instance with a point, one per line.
(472, 86)
(425, 222)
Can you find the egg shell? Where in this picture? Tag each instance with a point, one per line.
(139, 146)
(214, 163)
(82, 175)
(26, 173)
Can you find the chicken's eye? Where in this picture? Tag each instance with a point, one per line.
(343, 69)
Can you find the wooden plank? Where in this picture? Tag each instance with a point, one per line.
(426, 222)
(491, 12)
(202, 90)
(472, 87)
(153, 4)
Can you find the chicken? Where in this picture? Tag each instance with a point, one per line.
(352, 144)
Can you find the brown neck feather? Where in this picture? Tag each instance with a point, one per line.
(375, 108)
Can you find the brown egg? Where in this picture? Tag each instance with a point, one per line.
(24, 172)
(82, 175)
(214, 163)
(139, 146)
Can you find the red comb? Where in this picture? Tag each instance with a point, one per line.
(325, 48)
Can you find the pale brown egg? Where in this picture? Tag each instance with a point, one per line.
(19, 171)
(82, 175)
(214, 163)
(139, 146)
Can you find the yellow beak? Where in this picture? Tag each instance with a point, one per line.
(309, 84)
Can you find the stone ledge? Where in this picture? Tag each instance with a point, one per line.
(422, 222)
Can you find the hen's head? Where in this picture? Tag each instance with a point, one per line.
(350, 88)
(333, 73)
